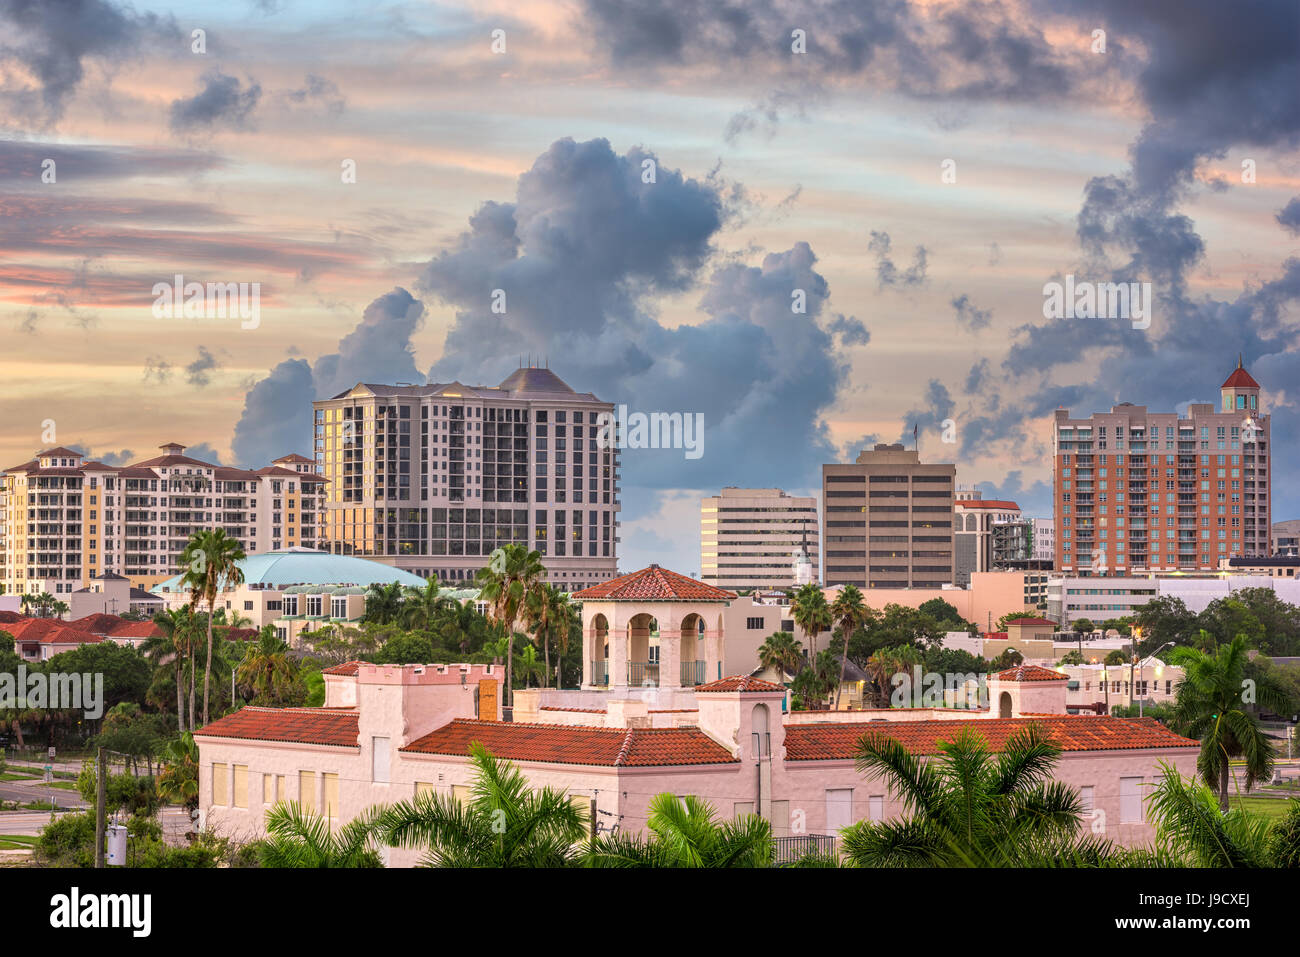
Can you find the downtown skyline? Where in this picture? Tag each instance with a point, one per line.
(821, 171)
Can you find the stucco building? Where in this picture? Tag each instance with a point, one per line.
(751, 538)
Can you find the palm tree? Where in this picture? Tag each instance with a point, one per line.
(1190, 823)
(886, 663)
(178, 782)
(177, 627)
(421, 607)
(59, 608)
(547, 615)
(211, 561)
(529, 666)
(383, 603)
(849, 611)
(684, 832)
(971, 808)
(1209, 707)
(811, 614)
(511, 573)
(267, 675)
(506, 822)
(781, 652)
(298, 838)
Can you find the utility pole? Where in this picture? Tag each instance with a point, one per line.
(101, 799)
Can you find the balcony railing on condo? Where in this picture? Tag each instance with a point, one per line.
(692, 673)
(787, 850)
(600, 672)
(642, 674)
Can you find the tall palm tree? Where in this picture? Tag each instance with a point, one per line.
(298, 838)
(848, 611)
(886, 663)
(267, 675)
(1190, 823)
(971, 808)
(170, 648)
(547, 616)
(684, 832)
(781, 652)
(211, 562)
(811, 614)
(383, 603)
(506, 822)
(421, 607)
(59, 608)
(504, 583)
(178, 782)
(1209, 707)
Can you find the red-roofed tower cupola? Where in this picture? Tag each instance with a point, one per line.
(1240, 391)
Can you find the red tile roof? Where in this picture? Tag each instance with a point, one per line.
(335, 727)
(1030, 673)
(987, 503)
(565, 744)
(1240, 379)
(49, 631)
(653, 584)
(347, 668)
(1031, 621)
(739, 683)
(6, 616)
(836, 741)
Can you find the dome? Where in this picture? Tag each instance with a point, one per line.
(534, 380)
(305, 566)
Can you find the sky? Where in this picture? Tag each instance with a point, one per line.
(653, 187)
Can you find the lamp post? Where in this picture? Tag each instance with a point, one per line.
(1132, 684)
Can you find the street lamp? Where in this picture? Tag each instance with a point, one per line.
(1132, 685)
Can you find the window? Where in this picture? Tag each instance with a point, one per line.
(307, 790)
(241, 785)
(379, 760)
(839, 809)
(876, 807)
(331, 782)
(1086, 797)
(1130, 800)
(220, 784)
(754, 624)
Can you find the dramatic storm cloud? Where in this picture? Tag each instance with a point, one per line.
(223, 102)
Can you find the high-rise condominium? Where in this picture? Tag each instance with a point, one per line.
(1145, 491)
(64, 520)
(888, 521)
(431, 478)
(751, 537)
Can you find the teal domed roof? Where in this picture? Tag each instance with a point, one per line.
(306, 566)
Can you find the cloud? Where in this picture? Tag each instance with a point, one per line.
(850, 330)
(198, 372)
(976, 377)
(887, 273)
(223, 102)
(1288, 217)
(969, 316)
(277, 413)
(20, 161)
(316, 90)
(157, 370)
(51, 40)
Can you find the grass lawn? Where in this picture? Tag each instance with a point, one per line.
(16, 842)
(18, 776)
(62, 785)
(1272, 808)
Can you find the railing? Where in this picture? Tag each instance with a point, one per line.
(642, 673)
(600, 672)
(787, 850)
(692, 673)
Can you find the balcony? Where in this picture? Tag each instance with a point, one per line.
(643, 674)
(692, 673)
(600, 672)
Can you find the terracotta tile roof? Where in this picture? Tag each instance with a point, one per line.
(59, 450)
(50, 631)
(653, 584)
(7, 616)
(1031, 621)
(1030, 673)
(135, 629)
(347, 668)
(739, 683)
(1240, 379)
(568, 744)
(987, 503)
(836, 741)
(335, 727)
(294, 457)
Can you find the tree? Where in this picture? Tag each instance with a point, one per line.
(849, 611)
(1225, 618)
(1284, 842)
(1115, 657)
(267, 676)
(506, 822)
(814, 683)
(405, 648)
(169, 649)
(179, 781)
(298, 838)
(811, 614)
(1014, 616)
(421, 607)
(211, 561)
(969, 807)
(511, 573)
(1210, 707)
(1008, 659)
(1162, 620)
(781, 652)
(887, 662)
(383, 603)
(1084, 626)
(547, 615)
(1071, 658)
(684, 832)
(943, 612)
(1199, 832)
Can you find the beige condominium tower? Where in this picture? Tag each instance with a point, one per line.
(888, 520)
(431, 478)
(752, 538)
(65, 520)
(1137, 490)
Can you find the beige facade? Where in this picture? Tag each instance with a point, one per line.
(432, 478)
(752, 538)
(888, 521)
(65, 520)
(1138, 490)
(974, 518)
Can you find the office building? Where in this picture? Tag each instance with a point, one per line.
(1136, 490)
(888, 520)
(974, 520)
(431, 478)
(66, 522)
(753, 537)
